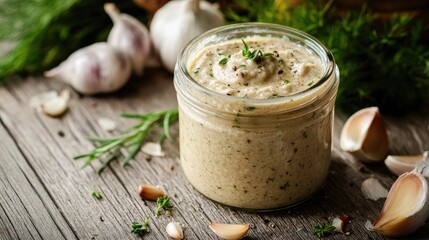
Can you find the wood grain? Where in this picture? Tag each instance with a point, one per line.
(62, 190)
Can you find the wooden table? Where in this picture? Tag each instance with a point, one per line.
(45, 195)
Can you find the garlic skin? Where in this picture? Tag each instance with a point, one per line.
(402, 164)
(406, 207)
(98, 68)
(364, 135)
(372, 189)
(179, 21)
(129, 36)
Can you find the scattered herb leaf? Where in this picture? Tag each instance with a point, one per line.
(196, 70)
(96, 195)
(249, 108)
(322, 230)
(162, 203)
(211, 74)
(310, 83)
(140, 228)
(224, 60)
(286, 81)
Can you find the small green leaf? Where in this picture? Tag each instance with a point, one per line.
(96, 195)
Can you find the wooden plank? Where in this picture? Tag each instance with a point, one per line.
(50, 155)
(26, 209)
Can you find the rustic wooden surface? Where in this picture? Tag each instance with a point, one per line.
(45, 195)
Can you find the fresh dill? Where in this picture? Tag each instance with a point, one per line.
(140, 228)
(162, 203)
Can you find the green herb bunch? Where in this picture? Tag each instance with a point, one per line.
(46, 32)
(381, 63)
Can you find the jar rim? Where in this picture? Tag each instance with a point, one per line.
(181, 65)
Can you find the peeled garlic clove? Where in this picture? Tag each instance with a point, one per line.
(174, 230)
(338, 224)
(107, 124)
(54, 107)
(229, 231)
(365, 136)
(177, 22)
(98, 68)
(402, 164)
(153, 149)
(129, 36)
(37, 100)
(149, 192)
(406, 207)
(372, 189)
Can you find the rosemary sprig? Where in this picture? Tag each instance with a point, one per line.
(132, 140)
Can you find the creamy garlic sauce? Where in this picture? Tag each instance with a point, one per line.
(261, 160)
(286, 68)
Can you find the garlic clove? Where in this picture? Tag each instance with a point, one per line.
(229, 231)
(338, 224)
(402, 164)
(149, 192)
(174, 230)
(54, 107)
(177, 22)
(37, 100)
(372, 189)
(98, 68)
(365, 136)
(153, 149)
(129, 36)
(107, 124)
(406, 207)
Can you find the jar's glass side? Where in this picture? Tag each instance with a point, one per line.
(259, 161)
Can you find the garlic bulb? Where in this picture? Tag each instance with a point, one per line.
(130, 36)
(365, 136)
(407, 204)
(98, 68)
(177, 22)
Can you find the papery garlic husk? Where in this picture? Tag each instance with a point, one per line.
(177, 22)
(129, 36)
(372, 189)
(149, 192)
(406, 207)
(106, 124)
(364, 135)
(229, 231)
(98, 68)
(174, 230)
(402, 164)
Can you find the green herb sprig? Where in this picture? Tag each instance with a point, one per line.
(162, 203)
(255, 55)
(323, 230)
(140, 228)
(109, 148)
(224, 60)
(97, 195)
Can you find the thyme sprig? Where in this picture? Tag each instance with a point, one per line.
(109, 148)
(140, 228)
(321, 230)
(255, 55)
(162, 203)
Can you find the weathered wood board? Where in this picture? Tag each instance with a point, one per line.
(45, 195)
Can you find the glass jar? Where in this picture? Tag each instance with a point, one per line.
(274, 156)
